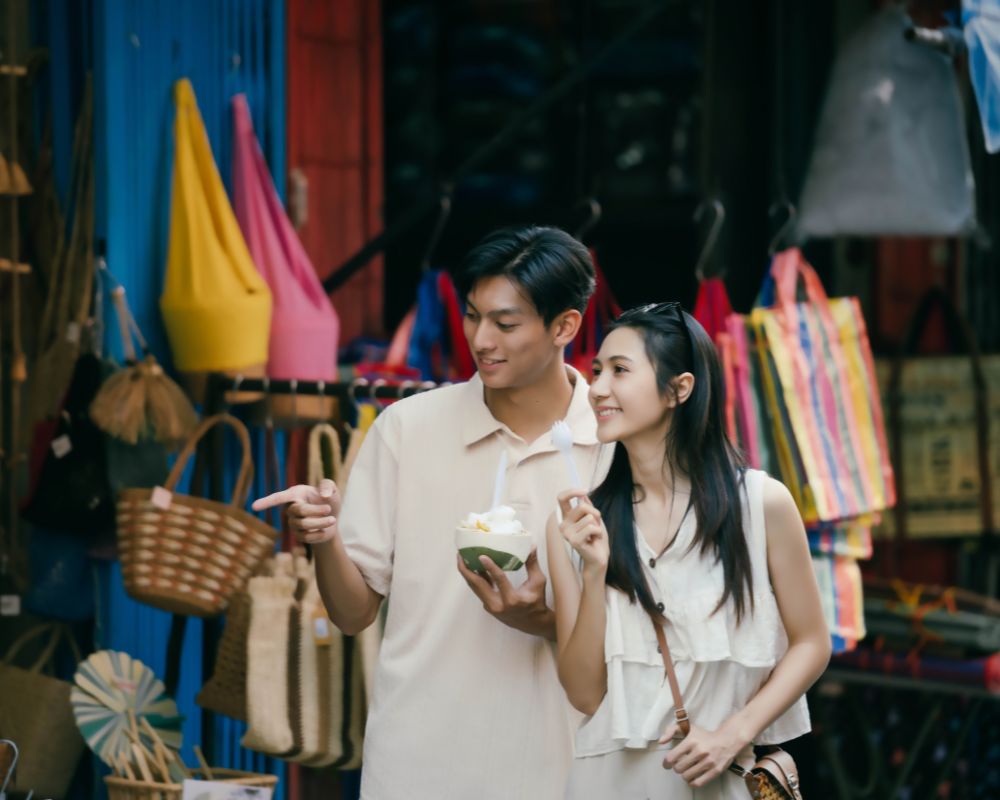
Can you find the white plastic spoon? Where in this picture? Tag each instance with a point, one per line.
(500, 479)
(562, 438)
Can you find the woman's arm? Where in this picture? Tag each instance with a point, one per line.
(703, 755)
(797, 593)
(579, 604)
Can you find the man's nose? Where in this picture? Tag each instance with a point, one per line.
(482, 338)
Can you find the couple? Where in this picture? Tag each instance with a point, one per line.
(474, 671)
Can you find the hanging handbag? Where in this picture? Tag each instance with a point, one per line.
(186, 554)
(35, 712)
(73, 492)
(773, 777)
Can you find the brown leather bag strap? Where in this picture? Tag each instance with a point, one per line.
(668, 666)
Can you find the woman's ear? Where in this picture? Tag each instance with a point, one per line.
(565, 327)
(683, 386)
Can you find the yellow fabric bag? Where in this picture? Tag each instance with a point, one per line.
(215, 305)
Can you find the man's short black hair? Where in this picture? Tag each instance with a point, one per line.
(553, 268)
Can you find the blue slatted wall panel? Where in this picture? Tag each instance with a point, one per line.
(141, 47)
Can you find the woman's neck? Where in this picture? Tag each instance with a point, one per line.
(659, 479)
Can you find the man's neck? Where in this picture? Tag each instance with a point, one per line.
(529, 411)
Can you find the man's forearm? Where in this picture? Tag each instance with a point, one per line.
(350, 602)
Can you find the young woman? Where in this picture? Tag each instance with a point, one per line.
(682, 532)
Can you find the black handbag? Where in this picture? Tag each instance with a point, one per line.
(72, 492)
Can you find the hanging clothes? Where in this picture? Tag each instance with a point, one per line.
(437, 343)
(981, 26)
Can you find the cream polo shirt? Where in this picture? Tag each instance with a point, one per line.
(463, 706)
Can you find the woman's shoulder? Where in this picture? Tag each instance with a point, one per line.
(782, 519)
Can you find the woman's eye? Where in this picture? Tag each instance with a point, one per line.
(595, 371)
(619, 370)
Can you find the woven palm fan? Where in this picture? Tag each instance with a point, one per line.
(140, 399)
(109, 688)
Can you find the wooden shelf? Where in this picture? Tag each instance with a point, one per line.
(7, 266)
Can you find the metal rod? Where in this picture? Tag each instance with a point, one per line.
(421, 208)
(361, 388)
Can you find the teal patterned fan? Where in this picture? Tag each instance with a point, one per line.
(108, 685)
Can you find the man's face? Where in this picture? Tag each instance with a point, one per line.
(508, 338)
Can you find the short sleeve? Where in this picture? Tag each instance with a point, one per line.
(368, 516)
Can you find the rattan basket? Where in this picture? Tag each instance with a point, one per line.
(188, 555)
(126, 789)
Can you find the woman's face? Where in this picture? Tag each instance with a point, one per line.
(624, 394)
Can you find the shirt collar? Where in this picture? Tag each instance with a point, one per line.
(478, 421)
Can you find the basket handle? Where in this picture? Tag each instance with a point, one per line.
(316, 469)
(54, 631)
(242, 487)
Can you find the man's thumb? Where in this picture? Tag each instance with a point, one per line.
(326, 487)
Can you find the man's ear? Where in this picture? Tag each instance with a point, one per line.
(565, 327)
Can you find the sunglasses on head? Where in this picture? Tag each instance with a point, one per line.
(671, 308)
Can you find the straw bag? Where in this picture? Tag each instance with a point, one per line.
(773, 777)
(35, 712)
(226, 691)
(186, 554)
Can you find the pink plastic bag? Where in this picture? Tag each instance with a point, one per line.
(304, 327)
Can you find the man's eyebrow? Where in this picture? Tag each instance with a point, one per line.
(499, 312)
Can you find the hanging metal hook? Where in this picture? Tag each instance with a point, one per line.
(772, 248)
(444, 212)
(592, 219)
(268, 411)
(230, 396)
(321, 392)
(352, 393)
(713, 233)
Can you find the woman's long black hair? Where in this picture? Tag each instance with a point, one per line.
(698, 446)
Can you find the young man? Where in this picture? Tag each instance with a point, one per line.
(466, 702)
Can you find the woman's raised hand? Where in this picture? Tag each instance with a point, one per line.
(584, 529)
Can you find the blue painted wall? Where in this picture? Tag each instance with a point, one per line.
(137, 50)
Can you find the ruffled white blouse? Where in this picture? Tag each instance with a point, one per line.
(720, 664)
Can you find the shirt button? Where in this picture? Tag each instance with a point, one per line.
(660, 607)
(652, 563)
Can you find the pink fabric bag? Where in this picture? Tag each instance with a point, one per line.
(304, 327)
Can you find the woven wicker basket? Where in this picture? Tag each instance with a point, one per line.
(188, 555)
(125, 789)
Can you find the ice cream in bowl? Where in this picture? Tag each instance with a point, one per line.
(496, 533)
